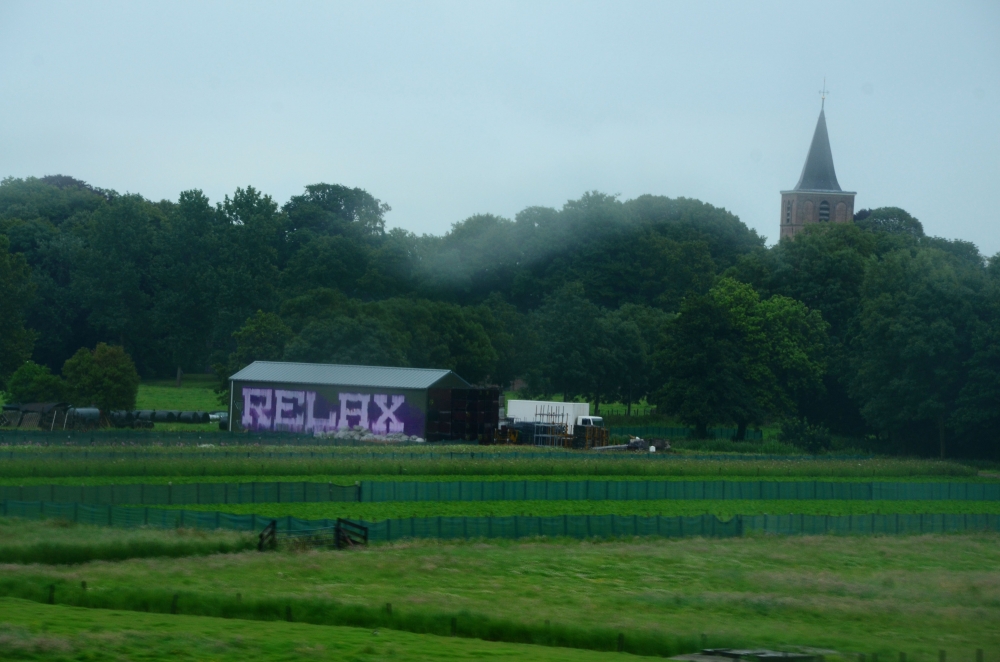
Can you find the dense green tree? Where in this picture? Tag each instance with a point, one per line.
(185, 287)
(113, 279)
(568, 332)
(247, 273)
(730, 357)
(16, 290)
(823, 267)
(105, 377)
(635, 331)
(915, 330)
(261, 338)
(35, 383)
(510, 336)
(345, 340)
(434, 334)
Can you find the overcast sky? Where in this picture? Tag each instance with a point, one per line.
(444, 110)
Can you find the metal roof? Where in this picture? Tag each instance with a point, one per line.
(329, 374)
(818, 173)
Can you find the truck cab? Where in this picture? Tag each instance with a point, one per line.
(590, 421)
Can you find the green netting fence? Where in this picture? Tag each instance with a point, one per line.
(645, 490)
(573, 526)
(521, 490)
(183, 494)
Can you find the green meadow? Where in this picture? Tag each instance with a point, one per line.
(875, 594)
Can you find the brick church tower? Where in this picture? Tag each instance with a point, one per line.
(817, 197)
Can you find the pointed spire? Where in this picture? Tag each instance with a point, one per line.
(818, 173)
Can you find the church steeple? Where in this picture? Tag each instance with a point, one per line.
(818, 173)
(817, 198)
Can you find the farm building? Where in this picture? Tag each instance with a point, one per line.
(317, 398)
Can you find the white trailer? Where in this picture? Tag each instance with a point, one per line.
(534, 410)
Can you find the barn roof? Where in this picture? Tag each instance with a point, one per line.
(366, 376)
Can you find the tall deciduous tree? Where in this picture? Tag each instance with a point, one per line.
(914, 337)
(16, 290)
(105, 377)
(730, 357)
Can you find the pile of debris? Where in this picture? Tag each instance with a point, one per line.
(358, 433)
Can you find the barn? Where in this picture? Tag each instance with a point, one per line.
(318, 398)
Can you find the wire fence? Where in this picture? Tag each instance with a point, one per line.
(522, 490)
(572, 526)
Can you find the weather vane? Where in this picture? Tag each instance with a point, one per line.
(822, 95)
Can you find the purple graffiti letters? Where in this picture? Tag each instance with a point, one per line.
(387, 422)
(347, 412)
(314, 424)
(257, 408)
(289, 414)
(307, 411)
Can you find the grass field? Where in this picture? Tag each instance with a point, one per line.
(916, 594)
(851, 594)
(374, 512)
(350, 479)
(54, 632)
(212, 463)
(55, 541)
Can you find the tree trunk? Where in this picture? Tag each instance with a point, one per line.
(628, 402)
(741, 431)
(941, 434)
(180, 375)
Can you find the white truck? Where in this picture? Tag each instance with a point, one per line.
(570, 413)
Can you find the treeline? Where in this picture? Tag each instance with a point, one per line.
(869, 329)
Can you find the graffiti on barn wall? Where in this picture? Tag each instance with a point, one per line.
(308, 411)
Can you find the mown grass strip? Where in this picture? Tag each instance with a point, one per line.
(319, 611)
(212, 465)
(54, 541)
(34, 631)
(349, 479)
(724, 509)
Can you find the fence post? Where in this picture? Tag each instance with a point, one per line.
(621, 642)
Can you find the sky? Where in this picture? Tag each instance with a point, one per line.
(448, 109)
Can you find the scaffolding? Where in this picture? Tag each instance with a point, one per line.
(552, 427)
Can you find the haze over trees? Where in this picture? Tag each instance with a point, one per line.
(871, 329)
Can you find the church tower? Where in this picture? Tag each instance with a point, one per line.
(817, 197)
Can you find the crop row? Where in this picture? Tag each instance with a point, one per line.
(209, 465)
(374, 512)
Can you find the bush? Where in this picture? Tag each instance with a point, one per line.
(105, 377)
(35, 383)
(813, 439)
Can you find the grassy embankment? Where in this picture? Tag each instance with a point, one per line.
(29, 630)
(56, 541)
(879, 594)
